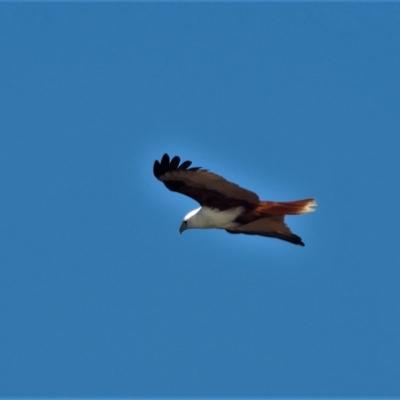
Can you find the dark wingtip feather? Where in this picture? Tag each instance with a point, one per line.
(185, 165)
(157, 169)
(165, 160)
(174, 164)
(295, 240)
(291, 238)
(167, 165)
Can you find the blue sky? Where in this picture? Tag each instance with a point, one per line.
(99, 294)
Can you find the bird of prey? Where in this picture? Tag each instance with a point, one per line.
(225, 205)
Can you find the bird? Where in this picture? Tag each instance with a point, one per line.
(226, 205)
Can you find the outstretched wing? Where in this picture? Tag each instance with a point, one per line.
(207, 188)
(271, 226)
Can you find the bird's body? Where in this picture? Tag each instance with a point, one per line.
(206, 218)
(225, 205)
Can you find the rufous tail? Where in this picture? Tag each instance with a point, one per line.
(287, 207)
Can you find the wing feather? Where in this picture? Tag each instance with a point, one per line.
(174, 164)
(207, 188)
(185, 165)
(271, 226)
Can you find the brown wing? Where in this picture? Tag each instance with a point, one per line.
(208, 189)
(271, 226)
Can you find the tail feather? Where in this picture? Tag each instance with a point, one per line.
(287, 207)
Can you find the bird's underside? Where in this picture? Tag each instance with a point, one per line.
(264, 218)
(271, 225)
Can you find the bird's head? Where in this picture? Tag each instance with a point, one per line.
(183, 226)
(189, 221)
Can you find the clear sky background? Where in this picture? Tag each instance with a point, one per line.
(99, 293)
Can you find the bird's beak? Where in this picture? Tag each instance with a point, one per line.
(183, 227)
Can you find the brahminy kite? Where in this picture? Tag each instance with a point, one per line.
(225, 205)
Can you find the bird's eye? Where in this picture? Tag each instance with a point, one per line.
(185, 222)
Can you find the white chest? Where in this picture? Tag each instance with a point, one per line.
(214, 218)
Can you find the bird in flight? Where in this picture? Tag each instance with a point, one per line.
(225, 205)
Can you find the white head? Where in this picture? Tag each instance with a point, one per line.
(190, 220)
